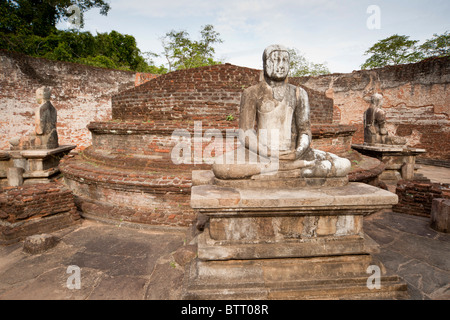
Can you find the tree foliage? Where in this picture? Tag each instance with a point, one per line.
(39, 17)
(300, 67)
(393, 50)
(181, 52)
(28, 26)
(108, 50)
(438, 46)
(398, 49)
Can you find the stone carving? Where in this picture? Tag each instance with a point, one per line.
(275, 130)
(45, 135)
(375, 131)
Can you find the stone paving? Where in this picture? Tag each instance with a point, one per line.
(413, 251)
(119, 262)
(115, 263)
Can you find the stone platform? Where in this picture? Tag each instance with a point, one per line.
(39, 165)
(400, 161)
(286, 243)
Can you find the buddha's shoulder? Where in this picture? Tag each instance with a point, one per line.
(258, 89)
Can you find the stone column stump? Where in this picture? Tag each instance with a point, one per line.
(440, 215)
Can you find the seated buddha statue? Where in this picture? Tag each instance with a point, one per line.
(45, 135)
(375, 132)
(275, 130)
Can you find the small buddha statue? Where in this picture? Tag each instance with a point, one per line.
(45, 135)
(275, 129)
(375, 132)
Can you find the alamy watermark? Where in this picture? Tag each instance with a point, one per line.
(74, 280)
(374, 20)
(74, 20)
(374, 280)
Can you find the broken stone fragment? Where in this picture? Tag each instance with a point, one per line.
(185, 254)
(39, 243)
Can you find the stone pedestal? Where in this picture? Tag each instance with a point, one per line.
(400, 161)
(39, 165)
(286, 243)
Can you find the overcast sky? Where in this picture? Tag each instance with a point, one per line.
(331, 31)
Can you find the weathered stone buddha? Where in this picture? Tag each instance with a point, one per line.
(375, 132)
(275, 131)
(45, 135)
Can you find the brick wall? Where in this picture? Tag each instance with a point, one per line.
(81, 94)
(334, 138)
(34, 201)
(35, 209)
(416, 100)
(207, 94)
(416, 197)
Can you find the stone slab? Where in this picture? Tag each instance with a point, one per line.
(389, 149)
(44, 153)
(360, 198)
(28, 276)
(41, 173)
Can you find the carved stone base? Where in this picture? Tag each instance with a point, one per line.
(286, 243)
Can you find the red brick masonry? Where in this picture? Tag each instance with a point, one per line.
(416, 196)
(36, 208)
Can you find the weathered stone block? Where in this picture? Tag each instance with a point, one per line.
(39, 243)
(440, 215)
(15, 176)
(185, 254)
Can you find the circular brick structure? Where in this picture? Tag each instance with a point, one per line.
(128, 173)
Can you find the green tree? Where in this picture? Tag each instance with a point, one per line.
(396, 49)
(300, 67)
(29, 26)
(108, 50)
(438, 46)
(183, 53)
(39, 17)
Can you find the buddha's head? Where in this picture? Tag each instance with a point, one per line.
(43, 94)
(276, 62)
(376, 100)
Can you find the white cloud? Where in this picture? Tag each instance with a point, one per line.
(165, 9)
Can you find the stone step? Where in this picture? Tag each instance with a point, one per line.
(391, 287)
